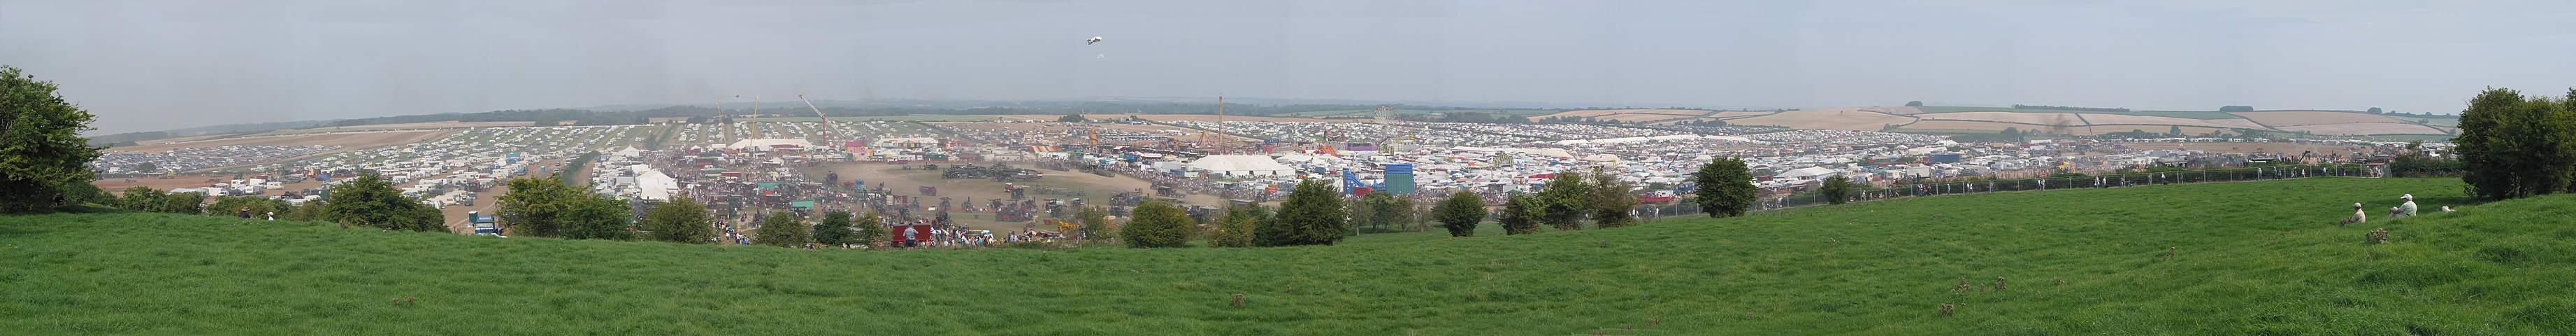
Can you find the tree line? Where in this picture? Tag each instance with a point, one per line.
(2513, 145)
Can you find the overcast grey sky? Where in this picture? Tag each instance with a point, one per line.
(149, 65)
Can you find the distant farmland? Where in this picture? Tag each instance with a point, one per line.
(1952, 119)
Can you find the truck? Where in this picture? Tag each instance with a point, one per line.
(484, 225)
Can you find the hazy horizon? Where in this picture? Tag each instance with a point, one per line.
(152, 65)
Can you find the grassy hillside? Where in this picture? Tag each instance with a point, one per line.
(2253, 258)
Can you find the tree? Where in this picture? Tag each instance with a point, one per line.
(372, 201)
(1565, 195)
(680, 220)
(141, 199)
(1521, 214)
(1610, 201)
(598, 218)
(1072, 118)
(1095, 224)
(835, 230)
(1385, 209)
(1312, 215)
(1460, 213)
(1236, 229)
(1836, 189)
(2511, 146)
(2374, 110)
(192, 203)
(41, 149)
(146, 167)
(1914, 103)
(535, 206)
(782, 229)
(871, 230)
(1725, 187)
(1157, 224)
(2175, 131)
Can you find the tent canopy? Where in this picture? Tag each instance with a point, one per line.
(1241, 165)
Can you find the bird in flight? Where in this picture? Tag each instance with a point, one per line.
(1094, 39)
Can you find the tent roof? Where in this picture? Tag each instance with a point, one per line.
(1227, 163)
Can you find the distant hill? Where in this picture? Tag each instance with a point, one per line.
(2095, 121)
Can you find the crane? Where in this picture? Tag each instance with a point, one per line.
(818, 115)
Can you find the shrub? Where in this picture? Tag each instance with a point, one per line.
(1157, 224)
(835, 230)
(1836, 189)
(681, 220)
(1521, 214)
(782, 229)
(184, 203)
(1565, 196)
(1312, 215)
(1609, 201)
(1460, 213)
(1724, 187)
(372, 201)
(1236, 229)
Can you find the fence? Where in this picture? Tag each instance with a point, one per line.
(1864, 193)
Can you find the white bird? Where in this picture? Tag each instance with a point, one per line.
(1094, 39)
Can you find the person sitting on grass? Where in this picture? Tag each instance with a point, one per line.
(2407, 209)
(2357, 216)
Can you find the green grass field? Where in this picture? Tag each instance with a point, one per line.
(2251, 258)
(2175, 114)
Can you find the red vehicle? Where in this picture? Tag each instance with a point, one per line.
(929, 191)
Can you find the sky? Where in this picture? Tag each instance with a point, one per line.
(152, 65)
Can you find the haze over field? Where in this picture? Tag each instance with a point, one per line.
(149, 65)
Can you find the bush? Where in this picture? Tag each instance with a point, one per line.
(1610, 201)
(595, 216)
(1521, 214)
(142, 199)
(681, 220)
(1157, 224)
(184, 203)
(372, 201)
(1836, 189)
(2513, 146)
(1236, 229)
(1460, 213)
(535, 206)
(1565, 196)
(835, 230)
(782, 229)
(1095, 224)
(871, 230)
(1725, 187)
(1312, 215)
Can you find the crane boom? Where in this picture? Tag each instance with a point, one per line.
(818, 115)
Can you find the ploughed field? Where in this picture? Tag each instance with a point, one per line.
(2226, 258)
